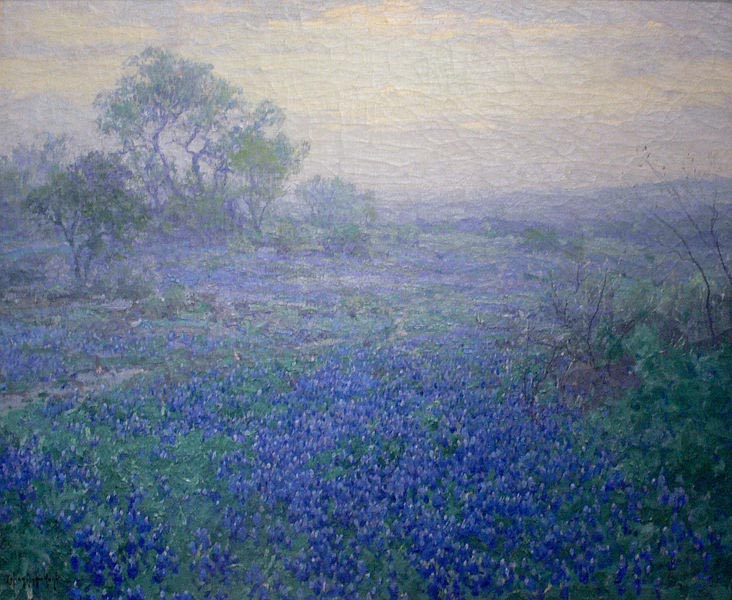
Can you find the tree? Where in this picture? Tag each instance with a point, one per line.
(172, 117)
(261, 164)
(10, 183)
(192, 141)
(573, 339)
(340, 211)
(29, 167)
(335, 201)
(697, 232)
(91, 205)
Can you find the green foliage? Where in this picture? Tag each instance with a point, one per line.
(406, 235)
(10, 183)
(33, 564)
(574, 338)
(91, 205)
(261, 166)
(334, 201)
(676, 424)
(697, 231)
(168, 305)
(664, 403)
(240, 244)
(200, 216)
(132, 281)
(541, 239)
(678, 420)
(286, 236)
(26, 168)
(171, 117)
(349, 239)
(29, 167)
(12, 275)
(341, 213)
(202, 158)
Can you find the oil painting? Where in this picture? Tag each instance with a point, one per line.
(377, 299)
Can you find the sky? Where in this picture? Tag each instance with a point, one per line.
(410, 96)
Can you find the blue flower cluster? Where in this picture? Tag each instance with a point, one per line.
(32, 353)
(385, 473)
(111, 553)
(210, 562)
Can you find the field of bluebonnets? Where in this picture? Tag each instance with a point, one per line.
(226, 421)
(217, 384)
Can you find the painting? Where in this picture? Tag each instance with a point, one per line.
(380, 299)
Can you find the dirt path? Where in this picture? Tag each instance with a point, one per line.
(83, 383)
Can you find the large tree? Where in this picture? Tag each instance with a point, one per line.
(91, 205)
(172, 117)
(192, 140)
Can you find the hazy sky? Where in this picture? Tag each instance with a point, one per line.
(430, 95)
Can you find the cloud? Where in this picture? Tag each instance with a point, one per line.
(79, 79)
(395, 90)
(217, 7)
(61, 26)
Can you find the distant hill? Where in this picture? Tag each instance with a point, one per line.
(561, 206)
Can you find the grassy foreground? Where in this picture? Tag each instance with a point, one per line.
(314, 426)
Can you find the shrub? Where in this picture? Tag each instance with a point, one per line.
(239, 243)
(132, 282)
(340, 212)
(541, 239)
(168, 305)
(335, 201)
(678, 420)
(286, 236)
(573, 339)
(16, 276)
(349, 239)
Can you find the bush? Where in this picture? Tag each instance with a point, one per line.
(572, 341)
(349, 239)
(168, 305)
(541, 239)
(16, 276)
(335, 201)
(92, 207)
(240, 244)
(132, 282)
(341, 213)
(286, 237)
(678, 420)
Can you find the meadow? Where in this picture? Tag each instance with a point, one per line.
(212, 419)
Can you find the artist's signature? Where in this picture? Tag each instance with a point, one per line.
(33, 582)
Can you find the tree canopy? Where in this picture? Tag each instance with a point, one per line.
(191, 138)
(91, 204)
(261, 166)
(335, 201)
(171, 117)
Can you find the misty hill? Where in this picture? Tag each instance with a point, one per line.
(562, 207)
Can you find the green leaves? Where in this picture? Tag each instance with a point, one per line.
(341, 213)
(92, 206)
(678, 420)
(261, 166)
(162, 89)
(335, 201)
(200, 153)
(172, 118)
